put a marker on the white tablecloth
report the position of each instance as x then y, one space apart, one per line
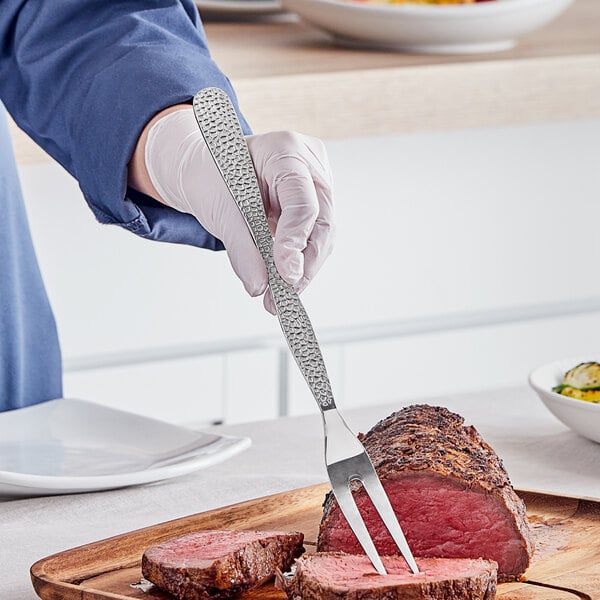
538 452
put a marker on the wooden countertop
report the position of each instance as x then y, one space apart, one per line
290 76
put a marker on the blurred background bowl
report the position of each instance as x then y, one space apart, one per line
426 28
580 416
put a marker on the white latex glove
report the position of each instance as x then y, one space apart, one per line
295 182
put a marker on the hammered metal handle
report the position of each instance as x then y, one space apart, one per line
223 135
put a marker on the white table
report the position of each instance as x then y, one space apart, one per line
538 452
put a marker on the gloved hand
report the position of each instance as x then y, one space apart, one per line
295 182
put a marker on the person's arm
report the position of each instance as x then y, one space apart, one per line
172 163
138 176
83 78
95 83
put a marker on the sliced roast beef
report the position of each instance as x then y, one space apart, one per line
219 564
448 488
335 575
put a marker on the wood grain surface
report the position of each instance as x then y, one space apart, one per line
290 76
566 563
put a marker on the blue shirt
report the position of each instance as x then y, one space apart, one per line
82 78
30 362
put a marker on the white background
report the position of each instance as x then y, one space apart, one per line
429 224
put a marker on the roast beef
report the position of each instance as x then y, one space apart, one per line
335 575
219 564
448 488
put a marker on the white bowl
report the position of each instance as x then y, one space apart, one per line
427 28
582 417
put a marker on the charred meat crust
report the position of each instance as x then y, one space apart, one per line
247 564
479 584
433 440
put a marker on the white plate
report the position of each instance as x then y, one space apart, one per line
65 446
436 29
580 416
238 7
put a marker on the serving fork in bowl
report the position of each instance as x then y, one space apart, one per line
345 456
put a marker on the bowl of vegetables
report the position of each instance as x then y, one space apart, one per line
570 389
428 26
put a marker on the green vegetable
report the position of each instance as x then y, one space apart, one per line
581 382
585 376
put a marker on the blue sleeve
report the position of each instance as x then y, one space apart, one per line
83 77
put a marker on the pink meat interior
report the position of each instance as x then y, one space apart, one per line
356 572
198 549
440 518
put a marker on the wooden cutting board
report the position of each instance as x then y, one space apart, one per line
566 564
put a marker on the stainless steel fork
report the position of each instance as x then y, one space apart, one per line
345 456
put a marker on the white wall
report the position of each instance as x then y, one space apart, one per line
428 224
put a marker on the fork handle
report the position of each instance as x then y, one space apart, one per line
223 135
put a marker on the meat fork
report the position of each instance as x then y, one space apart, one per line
345 456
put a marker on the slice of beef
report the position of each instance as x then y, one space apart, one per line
219 564
335 575
448 488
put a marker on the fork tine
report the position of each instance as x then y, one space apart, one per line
346 501
348 460
374 488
